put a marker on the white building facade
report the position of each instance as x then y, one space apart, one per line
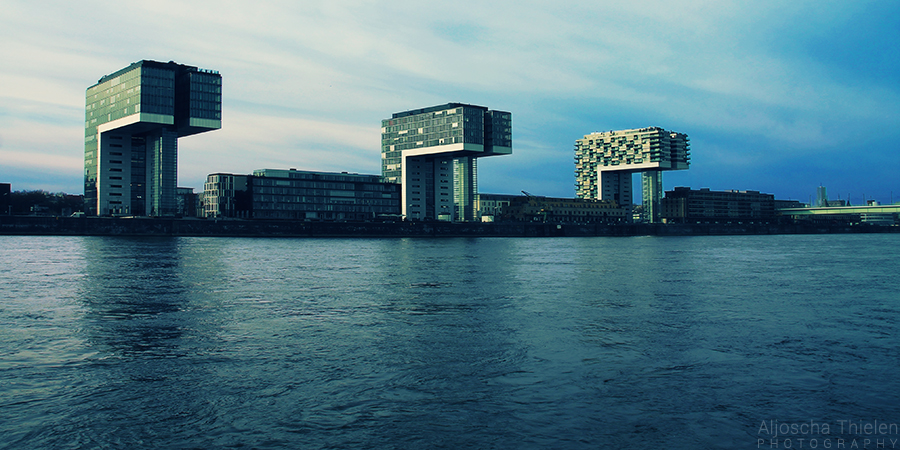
605 162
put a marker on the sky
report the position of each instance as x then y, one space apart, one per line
778 97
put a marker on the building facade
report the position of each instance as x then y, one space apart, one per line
5 199
133 119
227 195
189 203
530 208
684 205
300 195
821 197
432 152
605 162
490 206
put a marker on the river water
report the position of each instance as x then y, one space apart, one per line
641 342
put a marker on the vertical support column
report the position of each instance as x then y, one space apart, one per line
651 183
91 174
465 186
162 172
440 203
417 187
138 182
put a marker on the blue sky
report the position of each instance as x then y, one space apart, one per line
775 96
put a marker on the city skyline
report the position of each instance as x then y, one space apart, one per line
776 98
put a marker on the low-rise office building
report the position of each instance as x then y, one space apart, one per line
188 202
300 195
227 195
685 205
530 208
490 206
782 204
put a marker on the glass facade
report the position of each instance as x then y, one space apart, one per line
162 171
133 119
199 100
651 192
301 195
427 129
465 188
431 152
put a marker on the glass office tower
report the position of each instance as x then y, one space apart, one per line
133 119
431 153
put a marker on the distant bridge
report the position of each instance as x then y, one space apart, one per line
880 209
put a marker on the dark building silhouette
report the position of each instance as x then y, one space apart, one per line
5 198
684 205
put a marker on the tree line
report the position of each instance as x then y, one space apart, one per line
44 203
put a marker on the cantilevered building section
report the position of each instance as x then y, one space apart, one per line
432 153
604 163
133 119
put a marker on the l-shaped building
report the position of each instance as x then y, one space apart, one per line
432 153
132 121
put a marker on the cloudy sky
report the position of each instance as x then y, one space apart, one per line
776 96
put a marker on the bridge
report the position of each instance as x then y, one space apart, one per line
877 214
879 209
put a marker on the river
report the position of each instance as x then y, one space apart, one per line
635 342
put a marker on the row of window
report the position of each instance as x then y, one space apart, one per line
209 97
444 137
416 117
261 206
213 88
322 185
324 192
437 142
444 123
294 202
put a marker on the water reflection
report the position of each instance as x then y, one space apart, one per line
132 292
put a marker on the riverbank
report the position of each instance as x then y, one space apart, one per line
144 226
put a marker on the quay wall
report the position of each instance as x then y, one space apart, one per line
144 226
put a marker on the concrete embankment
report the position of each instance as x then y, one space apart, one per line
142 226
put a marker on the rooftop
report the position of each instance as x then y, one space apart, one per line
151 63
